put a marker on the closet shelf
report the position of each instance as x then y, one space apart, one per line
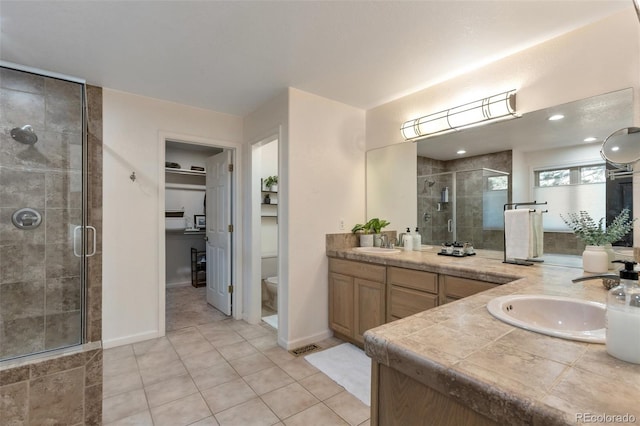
185 172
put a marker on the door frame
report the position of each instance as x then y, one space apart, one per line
236 217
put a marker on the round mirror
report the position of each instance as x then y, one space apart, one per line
622 146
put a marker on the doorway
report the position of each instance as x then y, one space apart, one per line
265 200
198 243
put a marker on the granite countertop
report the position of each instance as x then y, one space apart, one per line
510 375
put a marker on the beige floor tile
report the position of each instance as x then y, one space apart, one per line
237 350
321 385
263 343
289 400
156 359
124 365
248 331
115 384
350 408
193 348
170 390
267 380
214 376
114 354
250 413
154 375
208 421
278 355
221 337
251 364
123 405
299 368
319 414
160 344
142 418
183 411
366 423
198 362
222 397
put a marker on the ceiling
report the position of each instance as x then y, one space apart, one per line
232 56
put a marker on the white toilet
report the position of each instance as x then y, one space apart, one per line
271 285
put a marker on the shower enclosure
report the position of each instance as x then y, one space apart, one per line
463 206
43 232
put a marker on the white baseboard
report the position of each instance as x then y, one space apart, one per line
127 340
292 344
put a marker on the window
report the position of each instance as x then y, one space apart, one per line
593 173
497 183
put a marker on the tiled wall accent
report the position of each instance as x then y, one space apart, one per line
563 243
349 240
65 390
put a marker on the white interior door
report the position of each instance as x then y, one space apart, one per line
218 221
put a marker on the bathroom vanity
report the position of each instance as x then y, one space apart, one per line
454 363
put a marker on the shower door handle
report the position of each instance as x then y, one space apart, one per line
93 243
75 241
449 222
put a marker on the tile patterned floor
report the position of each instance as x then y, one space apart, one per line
213 370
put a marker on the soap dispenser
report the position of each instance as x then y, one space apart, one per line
417 241
623 316
407 240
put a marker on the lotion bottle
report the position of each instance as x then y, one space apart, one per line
407 240
417 241
623 316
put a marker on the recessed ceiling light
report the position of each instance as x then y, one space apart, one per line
556 117
590 139
461 151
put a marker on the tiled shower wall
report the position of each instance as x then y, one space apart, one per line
469 197
38 269
40 288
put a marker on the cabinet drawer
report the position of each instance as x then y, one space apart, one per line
358 269
417 280
405 302
458 288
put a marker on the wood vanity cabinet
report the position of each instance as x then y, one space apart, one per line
454 288
410 292
357 298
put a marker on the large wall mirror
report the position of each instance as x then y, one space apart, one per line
452 196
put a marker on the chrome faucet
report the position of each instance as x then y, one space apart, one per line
607 276
609 280
384 240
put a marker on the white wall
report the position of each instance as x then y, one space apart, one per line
326 184
131 239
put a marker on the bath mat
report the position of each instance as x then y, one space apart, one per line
272 320
348 366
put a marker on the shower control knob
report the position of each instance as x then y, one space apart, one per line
26 218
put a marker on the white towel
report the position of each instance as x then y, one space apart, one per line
517 233
537 232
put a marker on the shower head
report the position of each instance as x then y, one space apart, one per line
24 134
430 182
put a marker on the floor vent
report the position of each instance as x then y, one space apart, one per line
303 350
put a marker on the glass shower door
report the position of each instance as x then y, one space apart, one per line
41 213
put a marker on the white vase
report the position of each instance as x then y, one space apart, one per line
595 260
366 240
377 240
612 255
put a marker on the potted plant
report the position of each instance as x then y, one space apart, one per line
596 236
271 183
368 230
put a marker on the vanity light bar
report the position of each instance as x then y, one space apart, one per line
496 107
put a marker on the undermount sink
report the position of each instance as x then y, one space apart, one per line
556 316
377 250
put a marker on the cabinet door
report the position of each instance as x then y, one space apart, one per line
369 306
341 313
457 288
404 302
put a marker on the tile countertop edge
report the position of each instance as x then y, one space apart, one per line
504 407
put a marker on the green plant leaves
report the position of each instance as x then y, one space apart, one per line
594 233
